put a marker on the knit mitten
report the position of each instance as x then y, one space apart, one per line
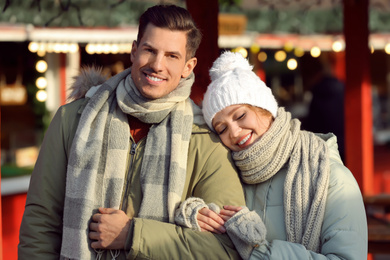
186 214
246 230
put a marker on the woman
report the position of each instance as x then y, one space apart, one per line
303 203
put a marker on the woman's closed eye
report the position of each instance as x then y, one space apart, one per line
220 130
241 116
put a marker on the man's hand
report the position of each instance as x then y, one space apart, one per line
110 228
208 220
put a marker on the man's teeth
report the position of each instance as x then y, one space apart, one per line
244 140
154 78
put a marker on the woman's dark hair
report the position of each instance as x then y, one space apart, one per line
174 18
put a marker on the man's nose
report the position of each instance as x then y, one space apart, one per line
157 63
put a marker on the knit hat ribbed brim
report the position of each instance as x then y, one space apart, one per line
233 82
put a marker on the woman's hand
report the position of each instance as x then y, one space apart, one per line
208 220
228 211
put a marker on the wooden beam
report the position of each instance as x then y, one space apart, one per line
358 99
1 218
205 15
63 81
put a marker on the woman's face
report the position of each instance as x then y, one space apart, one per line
239 126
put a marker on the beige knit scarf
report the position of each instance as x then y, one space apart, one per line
306 184
97 160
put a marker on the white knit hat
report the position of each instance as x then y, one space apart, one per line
233 82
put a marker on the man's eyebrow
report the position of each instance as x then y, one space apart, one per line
145 44
177 53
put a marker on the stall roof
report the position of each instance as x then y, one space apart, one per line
127 34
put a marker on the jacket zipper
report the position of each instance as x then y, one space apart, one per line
133 147
132 153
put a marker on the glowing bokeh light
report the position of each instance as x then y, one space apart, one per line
292 64
41 96
41 66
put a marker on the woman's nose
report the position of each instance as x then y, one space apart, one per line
235 130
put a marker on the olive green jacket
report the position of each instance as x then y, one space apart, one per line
210 175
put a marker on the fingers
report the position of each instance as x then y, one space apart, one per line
228 211
107 210
96 217
208 220
232 208
211 214
110 228
94 226
226 214
210 225
96 245
94 235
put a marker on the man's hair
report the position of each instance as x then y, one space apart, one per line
174 18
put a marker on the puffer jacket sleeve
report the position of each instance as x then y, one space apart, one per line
41 227
216 181
344 229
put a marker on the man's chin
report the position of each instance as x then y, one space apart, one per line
151 95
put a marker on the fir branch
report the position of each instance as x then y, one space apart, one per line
116 4
65 8
7 3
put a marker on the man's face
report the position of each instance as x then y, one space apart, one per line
159 61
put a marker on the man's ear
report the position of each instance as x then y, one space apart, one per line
133 50
189 67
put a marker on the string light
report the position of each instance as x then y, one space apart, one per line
387 48
292 64
106 48
41 66
337 46
241 50
255 48
280 56
41 96
41 82
42 48
90 48
299 52
33 47
41 53
262 56
114 48
50 47
73 48
288 46
315 52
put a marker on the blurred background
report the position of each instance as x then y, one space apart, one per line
326 61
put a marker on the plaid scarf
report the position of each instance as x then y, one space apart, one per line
97 160
306 185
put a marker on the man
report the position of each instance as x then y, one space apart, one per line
122 187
